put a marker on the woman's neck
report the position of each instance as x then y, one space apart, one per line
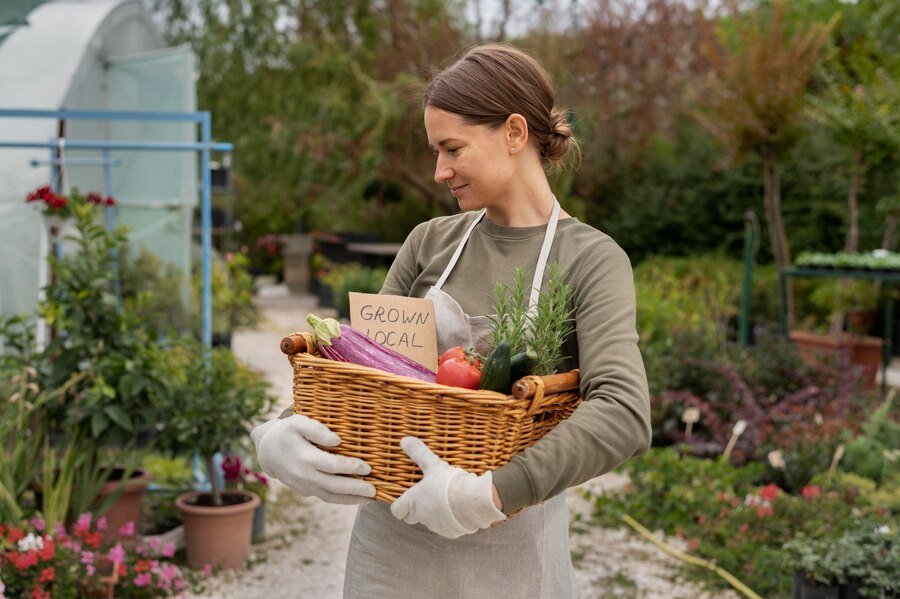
524 207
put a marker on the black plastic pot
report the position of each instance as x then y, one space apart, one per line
803 588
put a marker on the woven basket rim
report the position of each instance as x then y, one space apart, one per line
440 392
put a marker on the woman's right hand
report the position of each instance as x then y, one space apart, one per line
285 450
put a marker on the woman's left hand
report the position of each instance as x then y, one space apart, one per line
448 500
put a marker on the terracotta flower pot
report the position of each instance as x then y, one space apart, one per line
861 350
217 535
127 508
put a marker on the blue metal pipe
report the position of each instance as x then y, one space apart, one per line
206 217
103 115
78 162
75 144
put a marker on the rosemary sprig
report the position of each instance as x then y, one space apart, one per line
551 324
545 331
510 307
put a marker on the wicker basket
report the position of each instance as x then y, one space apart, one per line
371 410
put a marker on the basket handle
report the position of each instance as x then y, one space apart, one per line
535 387
296 343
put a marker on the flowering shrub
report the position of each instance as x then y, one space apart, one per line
238 476
67 563
723 516
59 205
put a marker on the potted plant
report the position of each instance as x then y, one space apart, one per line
111 373
239 476
219 399
863 562
840 299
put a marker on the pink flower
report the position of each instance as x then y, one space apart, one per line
37 524
60 530
168 550
91 570
101 523
207 570
87 557
127 529
143 579
117 553
769 492
83 524
811 491
154 545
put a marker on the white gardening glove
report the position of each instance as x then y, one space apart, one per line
448 500
284 447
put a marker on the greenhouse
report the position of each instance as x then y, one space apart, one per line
106 55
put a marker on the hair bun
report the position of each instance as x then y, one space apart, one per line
560 141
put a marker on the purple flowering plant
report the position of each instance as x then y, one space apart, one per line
239 476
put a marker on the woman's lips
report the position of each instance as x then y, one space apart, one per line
455 190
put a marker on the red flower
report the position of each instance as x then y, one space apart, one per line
92 539
95 198
693 544
26 560
811 491
769 492
142 565
39 593
764 510
110 201
47 574
46 554
745 527
15 535
231 468
123 570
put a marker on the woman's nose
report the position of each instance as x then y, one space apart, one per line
442 172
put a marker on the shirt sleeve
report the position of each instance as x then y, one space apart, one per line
404 269
612 424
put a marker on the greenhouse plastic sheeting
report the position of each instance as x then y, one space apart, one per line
156 191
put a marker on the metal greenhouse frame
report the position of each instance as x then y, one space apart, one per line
205 146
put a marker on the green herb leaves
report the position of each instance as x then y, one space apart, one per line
545 330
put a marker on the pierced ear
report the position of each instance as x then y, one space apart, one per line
516 131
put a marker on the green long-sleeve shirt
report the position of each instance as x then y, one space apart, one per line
613 422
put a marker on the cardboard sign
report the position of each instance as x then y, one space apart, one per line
404 324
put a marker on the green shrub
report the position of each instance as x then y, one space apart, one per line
344 278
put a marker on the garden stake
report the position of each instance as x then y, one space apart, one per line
729 577
739 427
690 416
838 454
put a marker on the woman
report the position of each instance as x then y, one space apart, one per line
493 124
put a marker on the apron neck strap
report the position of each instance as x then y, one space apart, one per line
542 258
459 249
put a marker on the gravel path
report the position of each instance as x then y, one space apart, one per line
306 546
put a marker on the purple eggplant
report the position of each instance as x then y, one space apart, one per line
343 343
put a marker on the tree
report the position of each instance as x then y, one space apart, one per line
754 96
859 111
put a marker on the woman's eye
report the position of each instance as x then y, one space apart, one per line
452 151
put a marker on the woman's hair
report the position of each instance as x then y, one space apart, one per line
491 82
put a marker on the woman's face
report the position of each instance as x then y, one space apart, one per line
473 161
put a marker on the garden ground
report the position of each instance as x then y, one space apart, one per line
307 539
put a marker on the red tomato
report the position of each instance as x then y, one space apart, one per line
458 373
457 353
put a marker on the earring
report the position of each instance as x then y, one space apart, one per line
513 149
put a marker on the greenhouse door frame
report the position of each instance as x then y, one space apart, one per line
205 146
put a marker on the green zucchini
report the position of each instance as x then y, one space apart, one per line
522 364
496 373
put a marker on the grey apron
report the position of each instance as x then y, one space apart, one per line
525 556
